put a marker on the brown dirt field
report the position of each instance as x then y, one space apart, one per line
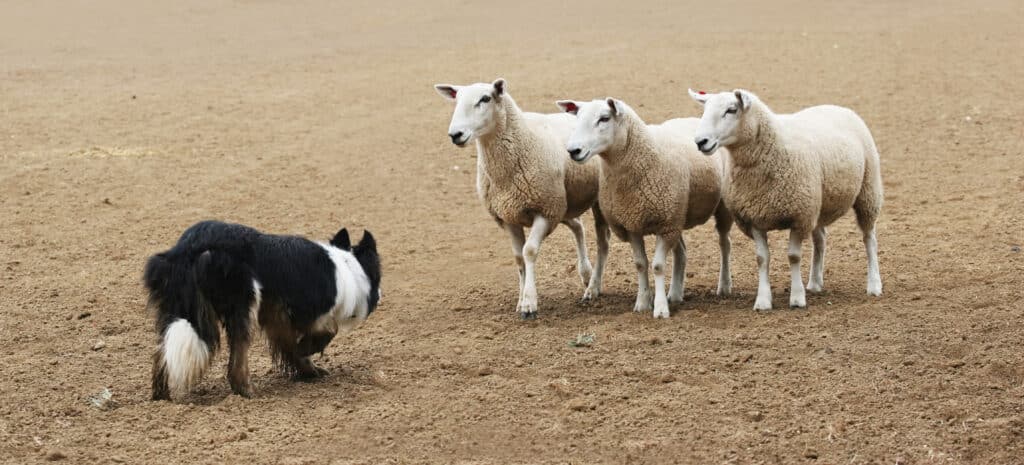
121 123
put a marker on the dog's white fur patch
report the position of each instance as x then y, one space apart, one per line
353 287
185 356
254 309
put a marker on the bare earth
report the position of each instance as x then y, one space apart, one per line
123 122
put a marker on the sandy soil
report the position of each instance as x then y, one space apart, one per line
123 123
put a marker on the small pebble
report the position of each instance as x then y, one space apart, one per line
99 345
811 454
55 455
485 371
578 405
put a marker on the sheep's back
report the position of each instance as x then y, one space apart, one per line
836 140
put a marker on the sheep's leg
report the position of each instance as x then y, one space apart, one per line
643 293
601 229
797 296
661 247
582 261
723 223
874 278
518 240
816 280
764 288
528 299
678 285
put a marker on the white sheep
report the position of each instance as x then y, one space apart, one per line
524 179
800 172
653 181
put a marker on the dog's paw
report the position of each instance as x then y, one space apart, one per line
243 391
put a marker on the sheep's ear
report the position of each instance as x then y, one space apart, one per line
447 91
499 87
341 240
699 95
614 106
743 97
568 106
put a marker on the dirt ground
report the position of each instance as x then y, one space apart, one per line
122 122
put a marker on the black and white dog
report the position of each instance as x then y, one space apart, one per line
218 274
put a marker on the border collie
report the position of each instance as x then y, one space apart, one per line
218 274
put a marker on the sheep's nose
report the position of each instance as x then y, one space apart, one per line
701 143
456 137
574 152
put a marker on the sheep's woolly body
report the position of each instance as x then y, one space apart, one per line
657 182
523 171
802 171
799 172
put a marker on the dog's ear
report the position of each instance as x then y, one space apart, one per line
367 242
341 240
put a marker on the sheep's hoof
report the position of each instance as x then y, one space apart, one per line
528 316
815 288
675 299
589 295
724 290
644 303
763 305
661 313
798 303
875 289
585 273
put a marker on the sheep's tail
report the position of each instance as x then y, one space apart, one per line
186 322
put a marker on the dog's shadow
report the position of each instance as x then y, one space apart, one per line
343 379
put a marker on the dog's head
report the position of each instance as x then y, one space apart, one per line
366 254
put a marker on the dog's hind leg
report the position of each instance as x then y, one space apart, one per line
160 389
238 323
239 328
238 363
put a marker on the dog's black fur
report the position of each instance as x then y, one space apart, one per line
208 277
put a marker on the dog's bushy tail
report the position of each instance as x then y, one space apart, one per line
189 297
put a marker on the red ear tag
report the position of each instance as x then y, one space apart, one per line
701 92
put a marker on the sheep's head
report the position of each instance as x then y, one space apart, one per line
598 127
723 118
476 108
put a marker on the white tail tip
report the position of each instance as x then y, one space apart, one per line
185 356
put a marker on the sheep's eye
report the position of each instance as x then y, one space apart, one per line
730 111
603 119
484 99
